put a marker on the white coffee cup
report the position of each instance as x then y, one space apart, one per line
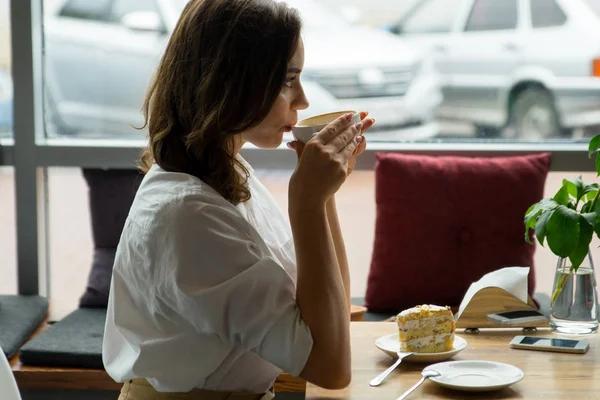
308 127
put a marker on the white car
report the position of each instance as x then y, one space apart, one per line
525 68
100 57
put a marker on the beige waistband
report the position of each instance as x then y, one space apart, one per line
138 389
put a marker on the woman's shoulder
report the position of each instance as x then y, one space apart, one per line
167 198
177 186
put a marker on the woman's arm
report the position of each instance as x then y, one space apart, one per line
321 298
340 247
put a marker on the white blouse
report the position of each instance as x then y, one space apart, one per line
203 292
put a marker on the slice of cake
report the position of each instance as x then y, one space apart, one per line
426 329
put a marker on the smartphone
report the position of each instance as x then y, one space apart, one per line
517 317
579 346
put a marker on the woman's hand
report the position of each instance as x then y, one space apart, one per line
298 146
325 161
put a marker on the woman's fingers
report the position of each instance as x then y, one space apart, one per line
367 124
362 146
334 129
345 138
297 146
351 147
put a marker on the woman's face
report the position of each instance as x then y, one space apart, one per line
284 113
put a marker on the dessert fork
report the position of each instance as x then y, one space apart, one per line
424 375
379 378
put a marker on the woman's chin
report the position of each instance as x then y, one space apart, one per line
272 143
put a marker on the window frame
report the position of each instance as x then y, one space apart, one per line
31 153
537 28
469 13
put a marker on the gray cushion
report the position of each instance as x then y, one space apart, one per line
19 318
75 341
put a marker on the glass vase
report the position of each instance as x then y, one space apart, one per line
574 307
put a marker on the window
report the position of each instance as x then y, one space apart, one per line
431 16
121 8
98 74
6 91
493 15
8 257
96 10
546 13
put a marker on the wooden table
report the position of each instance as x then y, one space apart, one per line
548 376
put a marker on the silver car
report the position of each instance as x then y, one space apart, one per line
522 68
100 57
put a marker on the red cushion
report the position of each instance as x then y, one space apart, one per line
444 222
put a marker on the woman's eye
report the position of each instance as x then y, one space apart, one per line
289 82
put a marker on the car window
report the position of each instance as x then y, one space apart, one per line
96 10
493 15
546 13
121 8
431 16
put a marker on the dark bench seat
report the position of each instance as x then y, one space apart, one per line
19 318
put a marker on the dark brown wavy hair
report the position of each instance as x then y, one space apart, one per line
220 74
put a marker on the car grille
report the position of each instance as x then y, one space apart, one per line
368 82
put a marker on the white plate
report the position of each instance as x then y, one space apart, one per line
476 376
390 345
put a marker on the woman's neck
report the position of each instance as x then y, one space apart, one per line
238 143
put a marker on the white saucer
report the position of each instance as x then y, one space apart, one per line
475 376
390 345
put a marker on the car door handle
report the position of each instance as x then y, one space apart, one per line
510 46
440 48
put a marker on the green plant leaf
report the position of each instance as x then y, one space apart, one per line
586 207
590 188
590 195
540 226
562 231
590 218
594 145
574 187
562 196
534 211
586 232
597 166
597 224
596 208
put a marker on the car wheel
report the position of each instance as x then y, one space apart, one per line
534 116
54 124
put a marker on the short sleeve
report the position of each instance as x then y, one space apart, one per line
222 279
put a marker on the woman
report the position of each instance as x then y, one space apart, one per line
212 292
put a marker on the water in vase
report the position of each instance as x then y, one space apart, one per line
575 310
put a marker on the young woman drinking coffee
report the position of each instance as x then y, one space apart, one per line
213 293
